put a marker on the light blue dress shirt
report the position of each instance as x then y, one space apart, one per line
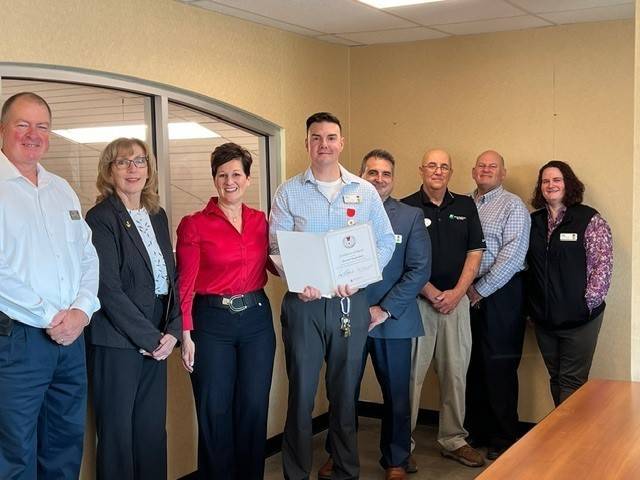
506 223
300 206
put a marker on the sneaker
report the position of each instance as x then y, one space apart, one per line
412 466
326 470
465 455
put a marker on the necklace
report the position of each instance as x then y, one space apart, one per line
233 217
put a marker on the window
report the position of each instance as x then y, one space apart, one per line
80 114
181 128
189 159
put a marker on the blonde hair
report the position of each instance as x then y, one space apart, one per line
124 146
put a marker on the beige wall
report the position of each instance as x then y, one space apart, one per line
635 264
534 95
275 75
559 92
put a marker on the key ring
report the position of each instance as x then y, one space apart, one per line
345 306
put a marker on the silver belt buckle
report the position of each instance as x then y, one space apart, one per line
228 302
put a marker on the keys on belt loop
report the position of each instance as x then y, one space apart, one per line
229 303
345 321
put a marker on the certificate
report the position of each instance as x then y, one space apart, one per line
325 260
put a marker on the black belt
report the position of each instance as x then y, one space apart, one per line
233 303
6 324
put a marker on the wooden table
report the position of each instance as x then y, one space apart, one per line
594 434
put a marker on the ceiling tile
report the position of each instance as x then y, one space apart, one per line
327 16
455 11
495 25
394 36
234 12
616 12
336 39
540 6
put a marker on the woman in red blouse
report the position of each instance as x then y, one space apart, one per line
228 341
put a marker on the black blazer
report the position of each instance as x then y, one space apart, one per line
127 287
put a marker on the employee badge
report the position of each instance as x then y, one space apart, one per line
352 198
345 321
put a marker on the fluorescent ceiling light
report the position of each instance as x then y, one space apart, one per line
189 130
395 3
177 131
103 134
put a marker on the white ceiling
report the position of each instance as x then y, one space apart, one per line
352 23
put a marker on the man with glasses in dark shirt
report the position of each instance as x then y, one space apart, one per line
457 244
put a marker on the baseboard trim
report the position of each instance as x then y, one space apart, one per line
274 444
365 409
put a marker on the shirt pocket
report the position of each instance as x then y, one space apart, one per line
73 228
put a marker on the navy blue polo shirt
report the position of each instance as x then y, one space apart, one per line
454 228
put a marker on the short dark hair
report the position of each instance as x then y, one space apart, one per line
323 117
28 95
230 151
378 153
573 187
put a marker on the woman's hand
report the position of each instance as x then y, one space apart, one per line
188 351
167 342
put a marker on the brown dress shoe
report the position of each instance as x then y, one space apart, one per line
326 470
412 466
465 455
395 473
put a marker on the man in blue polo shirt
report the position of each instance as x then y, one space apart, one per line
457 244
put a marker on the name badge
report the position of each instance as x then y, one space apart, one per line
74 214
398 238
568 237
352 198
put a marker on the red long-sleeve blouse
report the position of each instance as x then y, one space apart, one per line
213 258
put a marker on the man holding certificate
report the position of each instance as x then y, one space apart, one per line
326 197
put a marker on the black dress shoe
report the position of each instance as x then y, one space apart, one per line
495 452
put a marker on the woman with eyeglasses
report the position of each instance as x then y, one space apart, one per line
228 341
139 321
570 260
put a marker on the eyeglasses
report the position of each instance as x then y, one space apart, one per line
432 167
122 163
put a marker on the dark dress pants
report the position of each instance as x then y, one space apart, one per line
497 329
311 335
129 394
391 359
568 354
231 383
43 396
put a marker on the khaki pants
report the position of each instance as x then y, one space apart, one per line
447 340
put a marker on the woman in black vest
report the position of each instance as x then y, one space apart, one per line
570 260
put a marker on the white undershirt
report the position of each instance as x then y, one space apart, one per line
330 189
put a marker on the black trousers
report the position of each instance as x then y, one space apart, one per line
231 381
497 329
311 335
568 355
130 403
